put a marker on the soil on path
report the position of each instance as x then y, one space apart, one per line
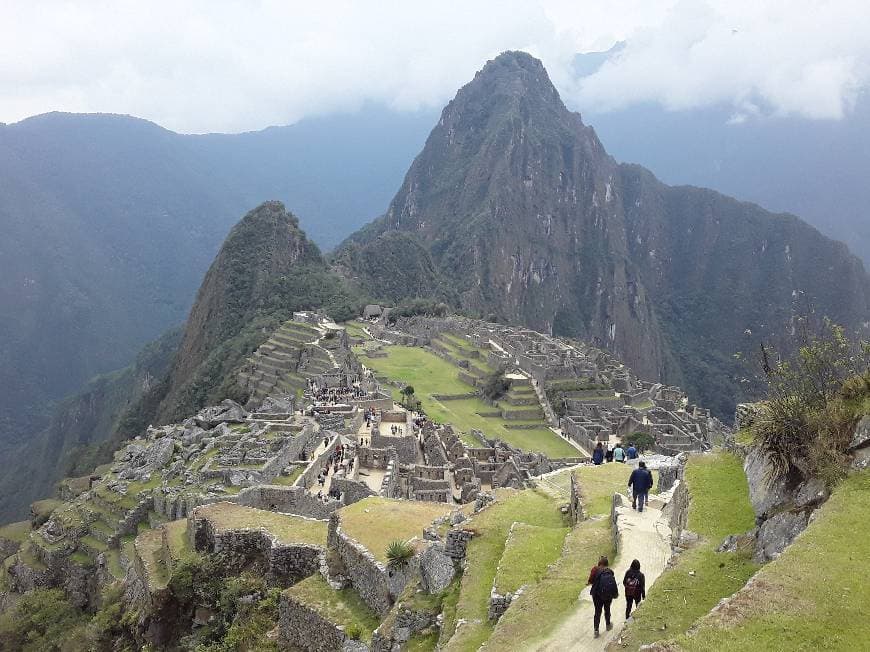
644 536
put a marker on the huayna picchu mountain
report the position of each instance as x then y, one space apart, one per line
515 205
266 270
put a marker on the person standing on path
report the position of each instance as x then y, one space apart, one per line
640 481
604 591
631 452
619 453
635 587
598 454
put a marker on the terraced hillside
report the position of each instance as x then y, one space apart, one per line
447 380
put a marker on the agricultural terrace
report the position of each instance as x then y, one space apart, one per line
432 375
285 527
375 522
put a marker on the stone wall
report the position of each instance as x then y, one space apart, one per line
288 500
302 628
351 491
375 458
406 446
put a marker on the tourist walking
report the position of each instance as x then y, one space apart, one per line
635 587
598 454
631 452
640 481
604 591
619 453
608 456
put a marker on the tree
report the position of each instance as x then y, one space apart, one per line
408 396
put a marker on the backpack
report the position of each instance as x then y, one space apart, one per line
632 587
604 587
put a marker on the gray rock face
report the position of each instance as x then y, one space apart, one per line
436 569
227 412
158 454
860 444
276 405
783 506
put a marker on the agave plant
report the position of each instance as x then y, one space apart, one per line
399 553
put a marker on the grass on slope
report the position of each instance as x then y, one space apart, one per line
484 552
17 532
814 596
429 375
597 485
375 522
285 527
719 506
528 552
544 605
343 607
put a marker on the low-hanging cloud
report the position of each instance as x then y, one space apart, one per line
237 65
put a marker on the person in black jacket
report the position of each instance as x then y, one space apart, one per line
640 481
635 587
604 590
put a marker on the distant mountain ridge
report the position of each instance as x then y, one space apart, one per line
521 211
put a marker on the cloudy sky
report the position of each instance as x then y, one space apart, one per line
220 65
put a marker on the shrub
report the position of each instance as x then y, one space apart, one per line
353 632
642 441
813 394
495 386
399 553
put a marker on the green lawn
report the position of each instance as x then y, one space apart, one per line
484 552
814 596
355 329
343 607
287 528
719 506
544 605
288 480
598 484
375 522
429 375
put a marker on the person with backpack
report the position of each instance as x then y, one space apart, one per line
632 452
608 455
598 454
619 453
604 591
635 587
640 481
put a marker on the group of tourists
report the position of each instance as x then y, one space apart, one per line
334 462
600 454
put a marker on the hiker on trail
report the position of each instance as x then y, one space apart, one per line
632 452
619 453
640 481
608 456
635 587
604 591
598 454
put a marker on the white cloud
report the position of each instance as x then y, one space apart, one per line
235 65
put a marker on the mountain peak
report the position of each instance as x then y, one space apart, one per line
513 73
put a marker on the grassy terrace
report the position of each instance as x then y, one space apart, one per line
719 506
528 552
375 522
287 528
544 605
343 607
355 329
484 552
430 374
149 546
288 480
814 596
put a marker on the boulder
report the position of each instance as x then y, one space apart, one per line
778 531
436 569
227 412
157 455
859 447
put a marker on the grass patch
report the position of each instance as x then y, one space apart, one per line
375 522
430 374
149 547
814 596
17 532
43 508
484 552
537 612
719 506
288 480
113 561
176 538
528 552
355 329
343 607
287 528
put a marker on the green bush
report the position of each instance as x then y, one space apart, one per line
399 553
642 441
495 386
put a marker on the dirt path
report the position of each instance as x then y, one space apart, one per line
643 536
